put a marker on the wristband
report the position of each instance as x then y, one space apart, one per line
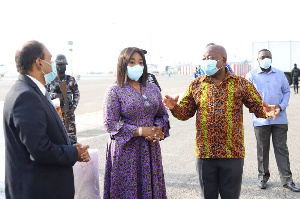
140 131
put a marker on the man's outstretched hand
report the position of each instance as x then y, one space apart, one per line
170 102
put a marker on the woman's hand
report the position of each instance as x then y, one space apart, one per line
156 134
151 134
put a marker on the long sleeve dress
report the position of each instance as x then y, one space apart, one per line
133 164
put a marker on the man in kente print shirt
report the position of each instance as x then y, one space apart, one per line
217 98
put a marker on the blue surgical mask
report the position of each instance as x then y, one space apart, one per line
135 72
265 63
49 77
210 67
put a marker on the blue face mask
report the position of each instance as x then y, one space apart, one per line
135 72
210 67
49 77
265 63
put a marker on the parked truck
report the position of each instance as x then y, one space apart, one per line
284 55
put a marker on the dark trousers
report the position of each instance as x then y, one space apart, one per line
222 176
279 138
295 82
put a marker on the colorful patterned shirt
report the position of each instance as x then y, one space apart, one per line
219 114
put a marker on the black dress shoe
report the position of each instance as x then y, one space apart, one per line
292 187
262 184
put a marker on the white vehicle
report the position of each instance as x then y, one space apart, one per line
284 55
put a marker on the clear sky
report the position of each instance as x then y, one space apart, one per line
171 31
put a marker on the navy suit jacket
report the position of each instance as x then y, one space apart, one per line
38 160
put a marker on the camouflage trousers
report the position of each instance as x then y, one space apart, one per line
72 127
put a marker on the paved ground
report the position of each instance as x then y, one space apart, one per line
178 149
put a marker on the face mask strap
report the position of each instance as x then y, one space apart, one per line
43 72
46 63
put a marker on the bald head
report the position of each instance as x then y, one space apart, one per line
217 49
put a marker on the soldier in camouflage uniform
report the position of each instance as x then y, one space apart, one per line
151 78
73 94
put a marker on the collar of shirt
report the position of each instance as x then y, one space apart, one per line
40 86
261 71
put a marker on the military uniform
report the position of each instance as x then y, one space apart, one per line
295 75
73 96
152 79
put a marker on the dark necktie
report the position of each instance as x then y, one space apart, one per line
58 118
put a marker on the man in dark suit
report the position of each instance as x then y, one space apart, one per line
39 155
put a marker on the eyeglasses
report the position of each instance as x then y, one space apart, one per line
146 101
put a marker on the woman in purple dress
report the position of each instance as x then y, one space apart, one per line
136 120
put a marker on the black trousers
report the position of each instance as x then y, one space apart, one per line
295 82
222 176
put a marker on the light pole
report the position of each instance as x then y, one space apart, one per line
70 43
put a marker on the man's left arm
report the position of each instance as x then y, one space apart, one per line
252 99
285 89
76 94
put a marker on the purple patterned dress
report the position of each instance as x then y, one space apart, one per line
133 164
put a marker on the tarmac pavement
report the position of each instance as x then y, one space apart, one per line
179 154
178 150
